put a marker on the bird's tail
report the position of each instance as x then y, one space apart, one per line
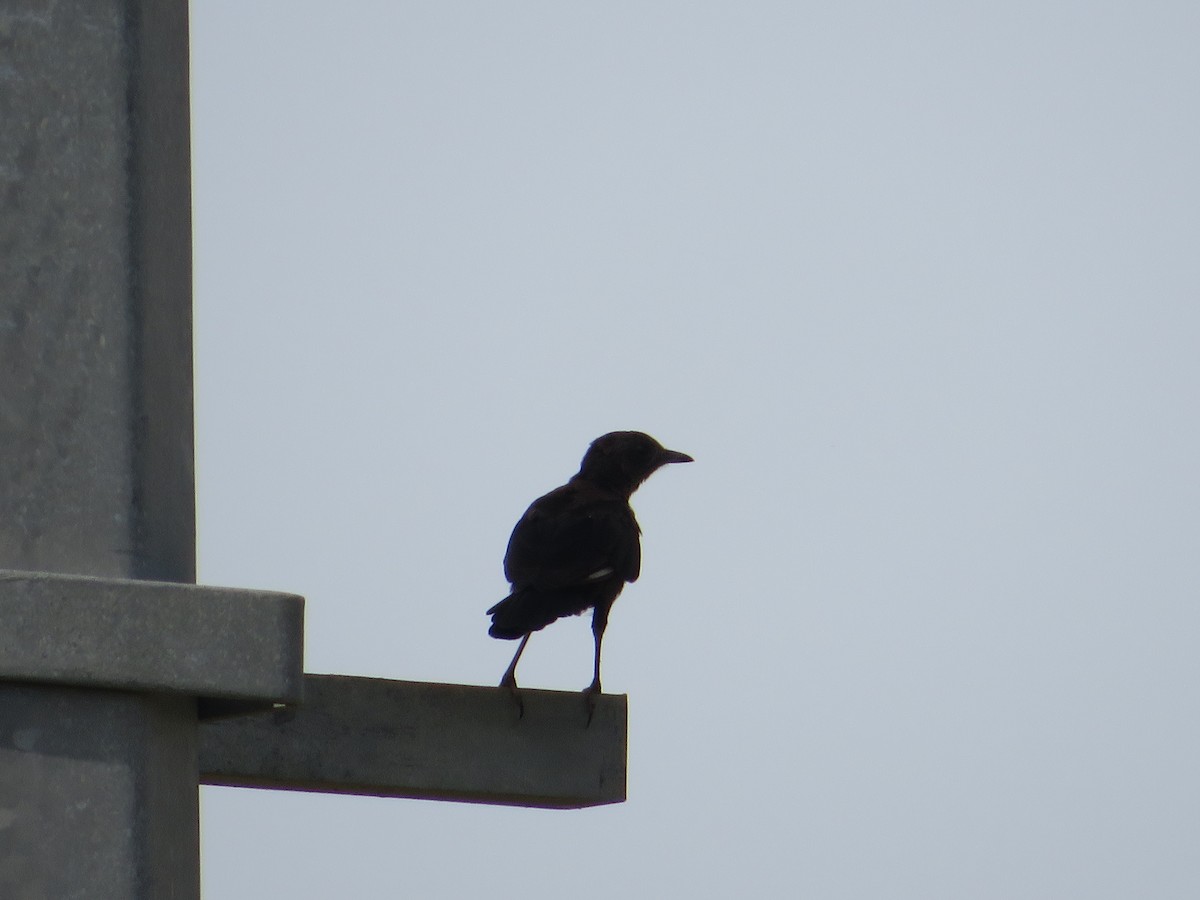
527 609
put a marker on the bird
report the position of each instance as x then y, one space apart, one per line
577 547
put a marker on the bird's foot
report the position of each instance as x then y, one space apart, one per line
509 681
591 696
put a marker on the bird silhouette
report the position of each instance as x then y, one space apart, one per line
577 547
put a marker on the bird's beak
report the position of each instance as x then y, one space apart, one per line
674 456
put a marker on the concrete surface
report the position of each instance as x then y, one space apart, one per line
94 800
95 289
235 650
98 790
429 741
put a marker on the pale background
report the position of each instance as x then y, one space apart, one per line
918 285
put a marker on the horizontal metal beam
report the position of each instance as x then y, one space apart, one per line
427 741
234 650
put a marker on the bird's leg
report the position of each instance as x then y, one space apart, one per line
592 693
510 677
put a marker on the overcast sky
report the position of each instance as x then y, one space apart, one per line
917 284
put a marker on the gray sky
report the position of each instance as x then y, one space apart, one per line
918 285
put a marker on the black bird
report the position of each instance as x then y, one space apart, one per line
577 546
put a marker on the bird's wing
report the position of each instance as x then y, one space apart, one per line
574 535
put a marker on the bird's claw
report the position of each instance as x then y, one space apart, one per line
511 684
591 697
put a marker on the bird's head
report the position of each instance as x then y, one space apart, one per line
622 460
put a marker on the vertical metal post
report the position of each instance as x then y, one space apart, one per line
98 789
